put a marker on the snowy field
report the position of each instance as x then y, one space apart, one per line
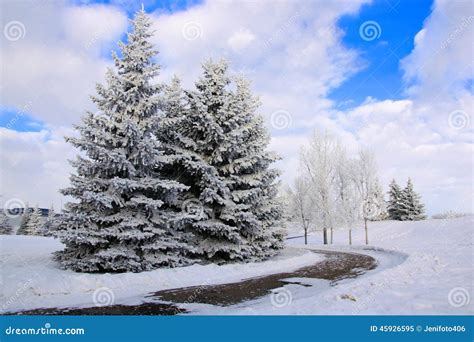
439 260
424 267
31 279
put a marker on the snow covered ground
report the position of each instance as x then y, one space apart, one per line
31 279
424 267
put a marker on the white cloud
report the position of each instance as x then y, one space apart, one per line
441 61
54 68
295 57
417 137
34 166
240 39
294 51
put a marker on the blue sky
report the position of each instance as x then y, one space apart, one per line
380 76
150 5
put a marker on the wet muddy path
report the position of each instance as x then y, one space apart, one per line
336 266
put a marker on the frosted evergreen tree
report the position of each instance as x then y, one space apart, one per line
5 227
124 213
246 168
35 223
221 145
51 213
25 216
48 225
411 208
394 201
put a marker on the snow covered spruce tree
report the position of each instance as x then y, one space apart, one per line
35 223
5 227
394 200
221 143
24 220
124 210
48 226
411 208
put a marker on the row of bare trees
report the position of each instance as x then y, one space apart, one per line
334 190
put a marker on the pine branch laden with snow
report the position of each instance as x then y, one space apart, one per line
123 216
221 147
5 226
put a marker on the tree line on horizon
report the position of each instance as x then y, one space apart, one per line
333 190
32 222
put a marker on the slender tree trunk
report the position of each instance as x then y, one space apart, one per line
325 236
331 235
350 236
366 232
305 235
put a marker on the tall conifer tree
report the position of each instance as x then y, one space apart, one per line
411 208
221 144
394 201
123 216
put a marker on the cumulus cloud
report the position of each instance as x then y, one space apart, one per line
49 73
441 61
55 67
293 53
34 166
428 136
240 39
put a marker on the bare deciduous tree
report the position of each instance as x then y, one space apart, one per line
365 180
348 196
319 169
300 205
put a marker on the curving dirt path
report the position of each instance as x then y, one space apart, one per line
335 267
